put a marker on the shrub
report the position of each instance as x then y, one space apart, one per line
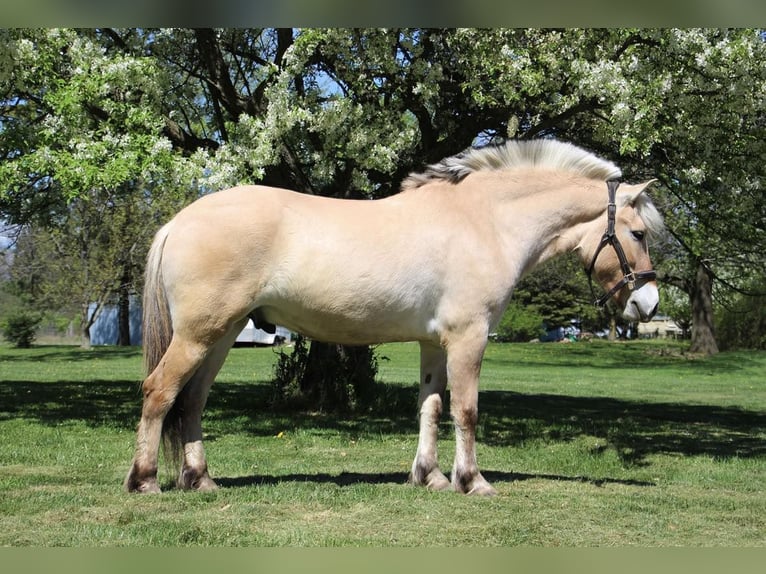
20 328
520 324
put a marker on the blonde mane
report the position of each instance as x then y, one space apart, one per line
542 153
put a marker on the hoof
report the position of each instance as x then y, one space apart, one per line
485 489
437 481
432 480
191 479
147 485
205 484
474 485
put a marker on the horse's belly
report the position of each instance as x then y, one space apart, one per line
352 327
352 300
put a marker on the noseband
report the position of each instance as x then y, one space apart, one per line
629 277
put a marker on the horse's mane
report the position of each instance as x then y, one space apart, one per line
544 153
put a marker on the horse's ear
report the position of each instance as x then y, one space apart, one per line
629 194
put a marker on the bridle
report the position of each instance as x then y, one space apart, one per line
629 277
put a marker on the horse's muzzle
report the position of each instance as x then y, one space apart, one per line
642 304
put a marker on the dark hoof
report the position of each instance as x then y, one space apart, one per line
192 479
473 485
145 485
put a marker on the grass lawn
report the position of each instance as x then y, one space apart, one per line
589 444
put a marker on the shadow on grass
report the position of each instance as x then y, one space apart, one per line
98 403
70 353
352 478
634 429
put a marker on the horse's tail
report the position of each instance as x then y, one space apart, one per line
157 326
157 333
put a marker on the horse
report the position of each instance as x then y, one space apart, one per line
435 263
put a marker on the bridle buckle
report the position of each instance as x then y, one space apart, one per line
630 280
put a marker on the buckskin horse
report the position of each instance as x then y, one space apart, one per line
436 263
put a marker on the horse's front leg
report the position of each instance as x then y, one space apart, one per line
463 366
433 381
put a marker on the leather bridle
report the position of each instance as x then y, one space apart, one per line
629 277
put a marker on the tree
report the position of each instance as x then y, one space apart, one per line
87 260
81 136
76 119
560 292
741 321
348 113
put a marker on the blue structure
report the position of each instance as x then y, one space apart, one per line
106 328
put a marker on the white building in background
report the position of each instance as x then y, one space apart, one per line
661 326
106 328
251 335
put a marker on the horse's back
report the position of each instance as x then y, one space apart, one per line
236 208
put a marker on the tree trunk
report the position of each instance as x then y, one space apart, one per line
123 311
701 298
316 373
339 377
85 324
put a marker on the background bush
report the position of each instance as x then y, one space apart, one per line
326 377
520 324
20 328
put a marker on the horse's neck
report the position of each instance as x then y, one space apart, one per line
550 220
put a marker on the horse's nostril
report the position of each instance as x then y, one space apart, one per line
645 317
642 315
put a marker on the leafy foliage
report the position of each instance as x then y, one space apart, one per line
20 328
742 323
520 324
553 295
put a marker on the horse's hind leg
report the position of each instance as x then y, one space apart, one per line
161 387
190 403
433 381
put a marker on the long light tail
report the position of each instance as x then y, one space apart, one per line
157 325
157 333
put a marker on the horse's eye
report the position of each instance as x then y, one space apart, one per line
638 235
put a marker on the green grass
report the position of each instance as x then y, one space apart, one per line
594 444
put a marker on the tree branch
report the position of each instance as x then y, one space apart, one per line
186 141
